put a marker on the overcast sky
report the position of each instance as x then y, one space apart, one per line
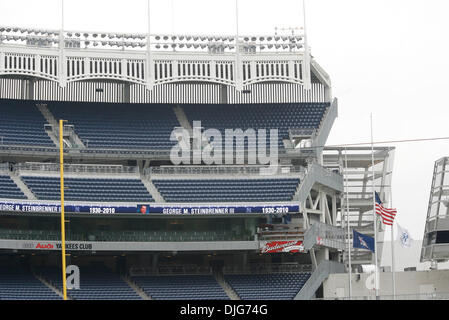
389 58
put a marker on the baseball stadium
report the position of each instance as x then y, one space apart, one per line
189 167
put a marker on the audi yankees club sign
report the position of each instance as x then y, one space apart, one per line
54 245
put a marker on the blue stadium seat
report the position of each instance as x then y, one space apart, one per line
185 287
149 126
96 283
9 190
238 190
21 123
119 126
20 284
281 116
84 189
282 286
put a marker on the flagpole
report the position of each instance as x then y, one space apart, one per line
348 229
376 273
392 251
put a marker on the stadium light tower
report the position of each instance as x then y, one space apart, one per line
238 80
307 77
62 80
61 162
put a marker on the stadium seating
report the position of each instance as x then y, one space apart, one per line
148 126
81 189
96 283
21 123
123 126
9 190
281 116
282 286
185 287
18 283
214 190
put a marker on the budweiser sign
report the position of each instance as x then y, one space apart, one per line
282 246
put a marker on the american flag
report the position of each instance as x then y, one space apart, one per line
387 215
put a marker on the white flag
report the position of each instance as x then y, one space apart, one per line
404 237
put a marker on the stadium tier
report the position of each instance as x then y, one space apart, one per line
9 190
133 126
267 286
80 189
21 123
238 190
97 283
17 283
149 126
282 116
186 287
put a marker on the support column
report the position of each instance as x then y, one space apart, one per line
334 210
154 263
2 61
126 92
223 93
31 82
23 89
323 253
244 260
149 60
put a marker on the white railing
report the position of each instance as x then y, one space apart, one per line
281 235
218 170
322 234
303 132
229 60
412 296
75 168
213 44
318 174
258 268
326 125
4 167
170 270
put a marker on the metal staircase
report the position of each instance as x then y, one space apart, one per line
226 287
317 174
182 118
22 186
320 274
51 286
324 235
136 288
152 189
53 132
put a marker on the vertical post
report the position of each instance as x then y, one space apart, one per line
306 60
347 224
149 60
237 69
376 272
2 61
392 252
61 163
173 17
62 78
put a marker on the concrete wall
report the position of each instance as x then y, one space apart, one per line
413 282
407 257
